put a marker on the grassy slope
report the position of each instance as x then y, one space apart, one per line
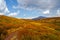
51 22
30 29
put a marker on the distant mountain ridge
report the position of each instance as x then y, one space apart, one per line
40 17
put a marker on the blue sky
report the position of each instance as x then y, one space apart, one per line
29 9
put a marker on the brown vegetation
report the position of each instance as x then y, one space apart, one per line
25 29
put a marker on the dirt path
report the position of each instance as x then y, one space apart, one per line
12 36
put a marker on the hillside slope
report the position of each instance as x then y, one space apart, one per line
55 22
24 29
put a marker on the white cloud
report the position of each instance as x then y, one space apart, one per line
30 17
58 13
6 10
37 4
2 4
44 6
14 14
3 7
55 15
46 12
27 17
20 7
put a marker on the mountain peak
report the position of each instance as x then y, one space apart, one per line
40 17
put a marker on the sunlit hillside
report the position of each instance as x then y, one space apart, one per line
25 29
55 22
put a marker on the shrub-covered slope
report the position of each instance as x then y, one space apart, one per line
25 29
